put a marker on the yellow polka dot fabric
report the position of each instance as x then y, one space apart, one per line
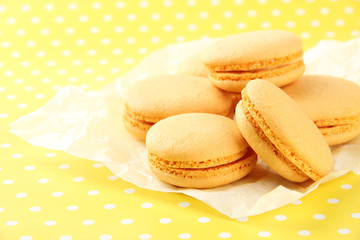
48 194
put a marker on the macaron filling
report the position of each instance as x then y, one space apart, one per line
245 161
338 125
282 150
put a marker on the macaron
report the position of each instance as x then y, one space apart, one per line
198 150
332 103
149 100
281 134
272 55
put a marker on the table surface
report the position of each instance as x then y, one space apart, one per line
47 194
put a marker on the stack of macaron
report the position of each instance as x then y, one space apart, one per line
286 118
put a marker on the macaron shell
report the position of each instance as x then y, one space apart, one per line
231 82
293 131
252 47
207 177
266 150
195 137
325 97
162 96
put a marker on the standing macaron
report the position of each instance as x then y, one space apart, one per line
198 150
152 99
281 133
274 55
332 103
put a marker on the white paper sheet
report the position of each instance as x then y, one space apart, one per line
89 125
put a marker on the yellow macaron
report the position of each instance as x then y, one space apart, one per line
274 55
154 98
281 133
332 103
198 150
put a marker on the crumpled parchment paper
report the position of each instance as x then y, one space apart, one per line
89 125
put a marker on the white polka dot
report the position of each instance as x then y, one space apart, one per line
1 209
105 41
22 105
93 192
339 22
15 54
5 44
142 50
144 236
49 7
224 235
132 17
94 30
167 3
241 25
96 5
26 237
59 19
262 1
168 28
25 8
11 223
280 217
50 223
346 186
100 78
264 234
300 11
2 8
265 24
217 26
35 209
252 13
356 215
203 15
73 6
129 190
165 220
203 219
45 31
109 206
324 11
319 216
69 31
113 177
185 236
290 24
333 200
4 115
127 221
77 62
305 35
35 72
17 155
304 233
147 205
40 53
107 18
192 27
72 208
184 204
83 18
2 89
46 80
276 12
191 3
30 43
228 14
143 28
43 180
11 20
50 154
8 181
39 96
25 64
57 194
214 2
242 219
105 237
343 231
120 5
29 88
65 237
88 222
349 10
114 70
8 73
20 32
66 53
116 51
78 179
5 145
144 4
11 96
179 15
88 71
315 23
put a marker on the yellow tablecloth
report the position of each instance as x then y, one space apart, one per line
48 194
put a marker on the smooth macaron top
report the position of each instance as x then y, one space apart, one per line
325 97
201 139
293 131
248 47
158 97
